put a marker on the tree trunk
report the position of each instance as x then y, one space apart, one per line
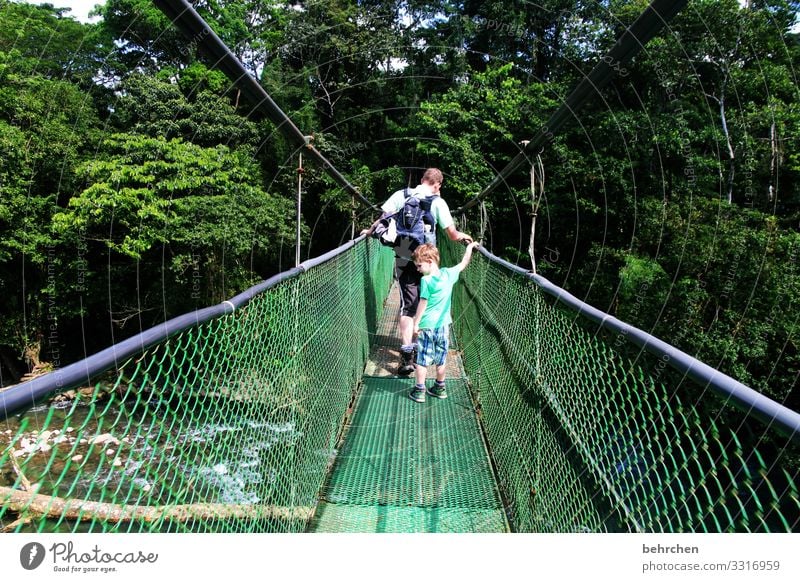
31 354
25 502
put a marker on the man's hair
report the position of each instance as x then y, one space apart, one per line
426 252
433 176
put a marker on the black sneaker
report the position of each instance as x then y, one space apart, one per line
417 394
437 391
406 363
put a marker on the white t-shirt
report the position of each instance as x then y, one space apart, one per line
439 208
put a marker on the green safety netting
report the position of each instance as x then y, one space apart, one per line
235 425
228 426
587 437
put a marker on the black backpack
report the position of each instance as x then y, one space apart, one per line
410 227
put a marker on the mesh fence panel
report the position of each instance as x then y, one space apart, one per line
227 426
231 425
586 439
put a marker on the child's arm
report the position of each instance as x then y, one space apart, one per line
467 257
423 303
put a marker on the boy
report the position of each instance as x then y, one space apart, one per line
432 320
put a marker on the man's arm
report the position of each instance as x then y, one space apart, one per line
441 212
392 205
423 303
371 229
456 235
467 257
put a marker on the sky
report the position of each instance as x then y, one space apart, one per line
80 8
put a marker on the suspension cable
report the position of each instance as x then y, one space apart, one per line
651 21
185 17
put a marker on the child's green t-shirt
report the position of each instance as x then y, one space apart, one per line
438 290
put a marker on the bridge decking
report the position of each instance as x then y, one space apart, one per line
407 466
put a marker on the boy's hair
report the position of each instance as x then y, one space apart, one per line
426 252
432 176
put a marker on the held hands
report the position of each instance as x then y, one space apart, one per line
471 246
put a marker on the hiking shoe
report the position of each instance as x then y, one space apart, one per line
406 363
417 394
437 391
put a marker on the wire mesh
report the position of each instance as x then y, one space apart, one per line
587 439
229 426
232 425
411 467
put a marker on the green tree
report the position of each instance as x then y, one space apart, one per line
46 128
171 207
160 108
471 132
47 42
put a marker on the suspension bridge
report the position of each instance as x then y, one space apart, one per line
277 410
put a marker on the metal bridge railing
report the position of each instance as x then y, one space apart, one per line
227 421
586 438
220 420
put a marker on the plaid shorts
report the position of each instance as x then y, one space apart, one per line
432 346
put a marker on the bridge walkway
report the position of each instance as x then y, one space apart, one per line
406 466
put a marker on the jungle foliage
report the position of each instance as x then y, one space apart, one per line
137 184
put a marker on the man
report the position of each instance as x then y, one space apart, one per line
408 277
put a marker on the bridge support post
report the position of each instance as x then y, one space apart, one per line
299 217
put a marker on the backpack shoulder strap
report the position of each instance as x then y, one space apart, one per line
426 204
